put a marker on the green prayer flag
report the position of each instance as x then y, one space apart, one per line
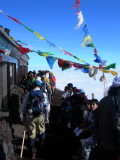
65 66
28 28
113 65
90 45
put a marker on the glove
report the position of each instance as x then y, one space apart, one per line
79 132
30 111
75 130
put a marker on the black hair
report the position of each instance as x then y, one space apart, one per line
94 101
70 85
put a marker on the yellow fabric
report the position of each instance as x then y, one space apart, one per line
35 125
47 79
52 74
81 60
112 72
39 36
86 40
44 54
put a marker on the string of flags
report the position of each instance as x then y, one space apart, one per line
64 64
85 41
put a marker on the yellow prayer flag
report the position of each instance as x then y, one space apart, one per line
86 40
112 72
38 35
12 38
81 60
44 54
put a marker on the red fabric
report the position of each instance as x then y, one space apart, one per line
54 79
77 65
24 50
1 50
0 58
67 53
60 62
77 1
15 20
95 50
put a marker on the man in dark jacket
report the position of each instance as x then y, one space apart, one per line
108 122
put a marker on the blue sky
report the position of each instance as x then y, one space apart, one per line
55 21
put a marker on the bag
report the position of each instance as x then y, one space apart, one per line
36 103
53 80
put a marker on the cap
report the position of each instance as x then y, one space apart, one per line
37 83
70 85
80 91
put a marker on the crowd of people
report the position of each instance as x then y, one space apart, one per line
47 79
39 89
95 124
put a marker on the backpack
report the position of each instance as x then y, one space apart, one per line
53 80
36 102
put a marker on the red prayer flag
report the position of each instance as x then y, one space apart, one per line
15 19
67 53
24 50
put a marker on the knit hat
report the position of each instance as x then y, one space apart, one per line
38 78
80 91
52 74
116 82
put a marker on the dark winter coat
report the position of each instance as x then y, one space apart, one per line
108 120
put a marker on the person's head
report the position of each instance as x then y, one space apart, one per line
80 92
31 74
115 87
87 104
66 88
74 89
34 71
38 78
70 86
94 104
43 74
34 74
52 74
37 83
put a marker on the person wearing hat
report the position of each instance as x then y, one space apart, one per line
77 102
35 118
87 124
108 122
52 79
80 97
70 86
87 133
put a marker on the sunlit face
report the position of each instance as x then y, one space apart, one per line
94 106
